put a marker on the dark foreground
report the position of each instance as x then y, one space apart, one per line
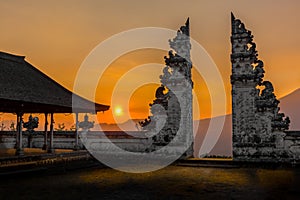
173 182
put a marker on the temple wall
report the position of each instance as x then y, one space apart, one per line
68 141
292 144
38 142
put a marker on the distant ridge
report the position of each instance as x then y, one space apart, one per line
129 125
290 105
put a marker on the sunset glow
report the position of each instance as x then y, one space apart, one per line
46 34
118 111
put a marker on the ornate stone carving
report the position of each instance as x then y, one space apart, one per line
86 124
33 122
280 123
244 55
161 97
257 123
267 99
166 109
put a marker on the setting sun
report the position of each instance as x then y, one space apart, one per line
118 111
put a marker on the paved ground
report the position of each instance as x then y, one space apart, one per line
173 182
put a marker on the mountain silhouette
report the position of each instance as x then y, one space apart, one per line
129 125
290 106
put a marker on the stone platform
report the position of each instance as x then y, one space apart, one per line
34 162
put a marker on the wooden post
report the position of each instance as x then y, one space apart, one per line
45 146
51 149
17 130
19 144
76 147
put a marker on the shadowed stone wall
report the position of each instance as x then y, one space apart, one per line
66 140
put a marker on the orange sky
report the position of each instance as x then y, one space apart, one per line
56 36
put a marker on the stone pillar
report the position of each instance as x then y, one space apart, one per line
45 146
51 149
19 144
76 147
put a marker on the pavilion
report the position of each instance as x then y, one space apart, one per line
25 89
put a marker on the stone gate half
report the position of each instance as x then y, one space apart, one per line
259 129
171 122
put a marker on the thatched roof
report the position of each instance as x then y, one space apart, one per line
25 88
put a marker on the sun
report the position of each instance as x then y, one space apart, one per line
118 111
